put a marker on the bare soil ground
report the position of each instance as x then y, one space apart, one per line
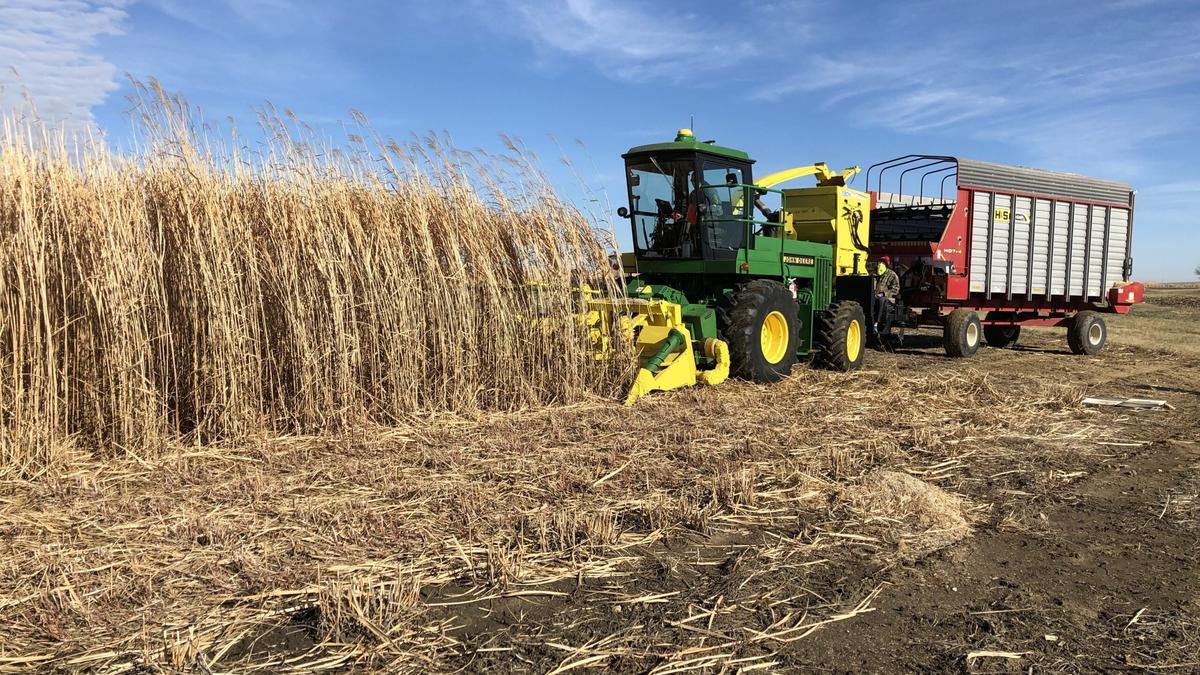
926 514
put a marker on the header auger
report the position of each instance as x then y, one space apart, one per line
668 356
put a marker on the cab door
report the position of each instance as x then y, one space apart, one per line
725 206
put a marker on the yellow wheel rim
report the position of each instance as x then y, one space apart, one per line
853 341
774 337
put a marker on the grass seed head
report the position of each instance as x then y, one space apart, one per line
198 291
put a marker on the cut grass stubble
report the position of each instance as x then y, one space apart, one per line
379 548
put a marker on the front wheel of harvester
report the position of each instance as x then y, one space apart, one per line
961 336
1087 333
762 331
841 336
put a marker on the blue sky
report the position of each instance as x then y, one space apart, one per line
1110 89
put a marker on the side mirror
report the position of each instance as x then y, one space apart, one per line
623 212
731 179
635 180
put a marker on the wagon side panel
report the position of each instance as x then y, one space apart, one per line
1019 248
1076 256
1039 258
1118 245
1044 236
981 209
1058 251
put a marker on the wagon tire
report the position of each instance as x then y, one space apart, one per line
1087 333
1001 337
962 334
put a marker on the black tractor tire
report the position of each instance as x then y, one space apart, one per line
1002 337
835 333
760 303
962 334
1087 333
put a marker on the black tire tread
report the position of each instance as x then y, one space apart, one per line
1002 337
954 337
1077 333
742 318
829 335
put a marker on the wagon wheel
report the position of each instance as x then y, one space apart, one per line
1087 333
962 333
1001 337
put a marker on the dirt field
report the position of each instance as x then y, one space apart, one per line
925 514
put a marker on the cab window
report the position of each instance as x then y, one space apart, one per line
665 210
725 206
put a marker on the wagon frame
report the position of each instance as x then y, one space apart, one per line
1026 246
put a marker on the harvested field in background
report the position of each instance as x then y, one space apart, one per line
705 529
200 291
1187 301
1167 285
1166 322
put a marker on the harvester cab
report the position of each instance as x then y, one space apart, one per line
757 288
687 199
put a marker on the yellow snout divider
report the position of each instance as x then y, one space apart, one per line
665 349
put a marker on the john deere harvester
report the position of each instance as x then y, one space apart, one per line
722 283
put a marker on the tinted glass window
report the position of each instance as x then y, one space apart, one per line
725 207
665 211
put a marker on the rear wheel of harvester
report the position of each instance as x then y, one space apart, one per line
762 329
1087 333
1001 337
840 336
962 333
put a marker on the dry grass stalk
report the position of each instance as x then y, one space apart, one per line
370 548
197 291
931 517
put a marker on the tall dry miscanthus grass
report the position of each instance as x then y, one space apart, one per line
197 292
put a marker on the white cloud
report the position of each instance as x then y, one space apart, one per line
627 40
221 17
1060 88
821 73
48 51
1102 139
927 107
1080 87
1187 189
